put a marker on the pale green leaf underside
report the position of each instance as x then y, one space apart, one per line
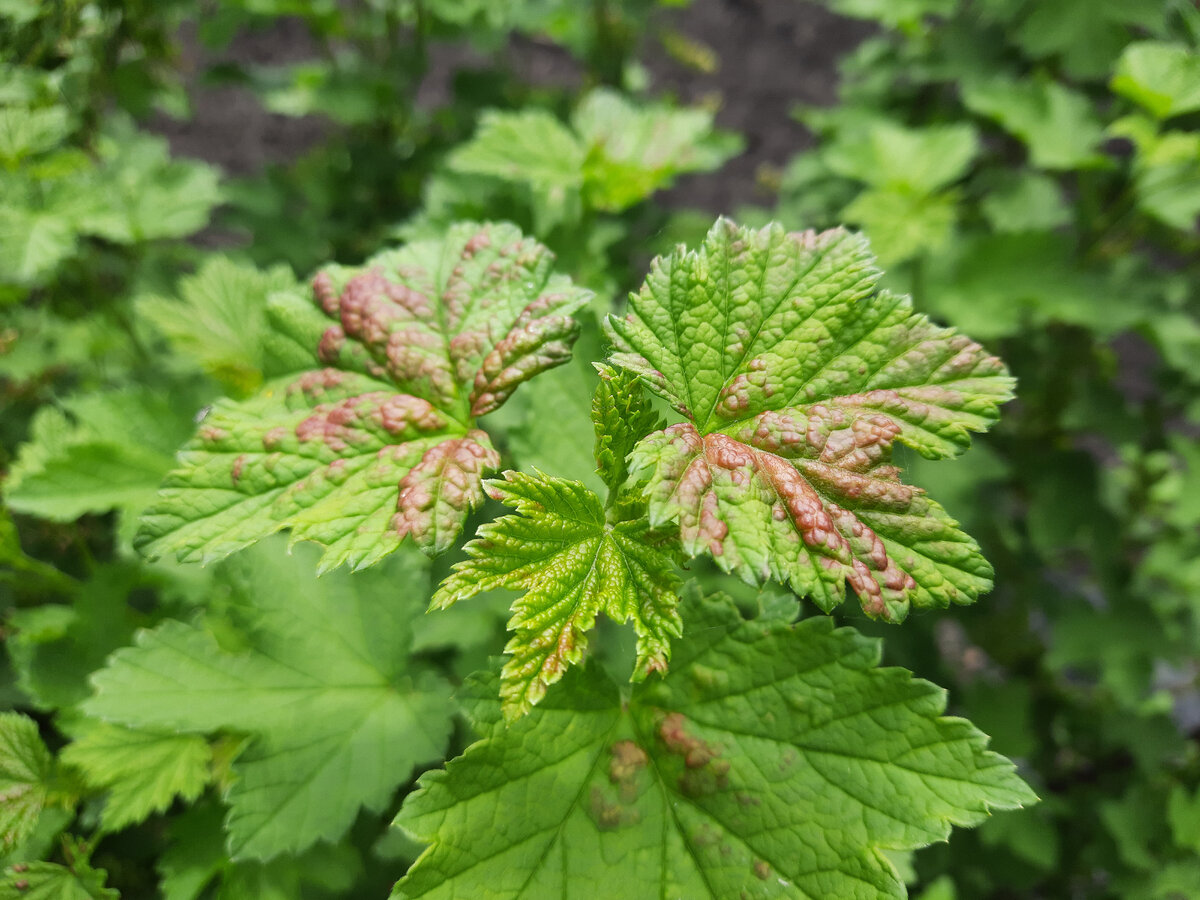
572 565
774 760
379 443
337 722
797 377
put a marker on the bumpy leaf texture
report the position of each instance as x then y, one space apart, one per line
774 760
380 441
572 564
796 376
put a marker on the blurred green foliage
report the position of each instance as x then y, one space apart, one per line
1028 169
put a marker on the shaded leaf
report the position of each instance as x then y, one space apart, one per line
796 377
774 757
26 769
1163 78
101 451
141 771
1057 124
572 565
337 718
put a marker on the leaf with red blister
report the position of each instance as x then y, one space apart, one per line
380 441
796 377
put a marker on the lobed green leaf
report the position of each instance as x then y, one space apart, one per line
26 772
796 377
571 564
380 443
774 759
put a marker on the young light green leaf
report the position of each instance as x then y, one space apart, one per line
1163 78
1026 201
337 718
26 770
633 151
1057 124
381 442
622 416
774 760
615 154
100 451
220 319
903 224
32 243
529 146
140 193
49 881
141 771
572 565
796 376
885 154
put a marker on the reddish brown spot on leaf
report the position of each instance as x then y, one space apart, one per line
438 492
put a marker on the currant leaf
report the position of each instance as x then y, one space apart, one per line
622 416
572 565
142 772
796 377
774 759
379 442
337 713
615 153
49 881
26 770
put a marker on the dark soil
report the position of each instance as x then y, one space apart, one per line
774 54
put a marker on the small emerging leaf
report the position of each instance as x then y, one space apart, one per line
572 565
380 443
796 377
622 416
